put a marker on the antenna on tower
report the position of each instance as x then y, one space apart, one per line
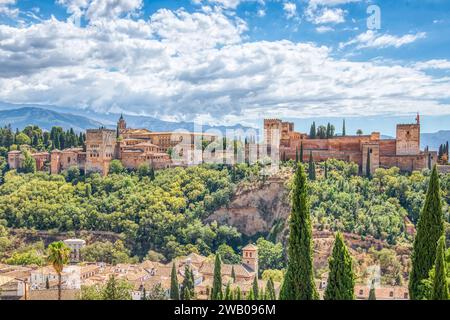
418 118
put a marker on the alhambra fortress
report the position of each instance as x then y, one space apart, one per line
134 147
402 152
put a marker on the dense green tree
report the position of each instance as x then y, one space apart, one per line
299 279
29 163
341 279
228 255
116 289
440 285
217 293
174 288
429 230
270 255
108 252
116 167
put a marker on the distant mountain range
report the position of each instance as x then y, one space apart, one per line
19 116
46 119
434 140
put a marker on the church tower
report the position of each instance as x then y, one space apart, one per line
121 125
250 257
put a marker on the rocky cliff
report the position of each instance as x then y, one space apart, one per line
258 209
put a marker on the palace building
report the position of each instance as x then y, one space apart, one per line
132 147
402 152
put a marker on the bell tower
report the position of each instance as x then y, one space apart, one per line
250 257
121 125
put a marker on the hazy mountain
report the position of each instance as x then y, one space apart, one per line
46 119
434 140
19 116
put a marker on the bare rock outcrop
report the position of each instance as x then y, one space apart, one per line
256 209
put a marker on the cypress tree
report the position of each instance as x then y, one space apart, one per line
312 131
301 152
341 279
440 285
311 168
372 295
238 294
296 154
299 279
430 228
217 293
343 128
251 295
368 173
174 290
270 290
326 170
152 174
188 284
228 293
186 293
255 288
429 161
233 274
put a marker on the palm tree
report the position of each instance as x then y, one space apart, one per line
58 256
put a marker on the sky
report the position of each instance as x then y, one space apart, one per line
229 61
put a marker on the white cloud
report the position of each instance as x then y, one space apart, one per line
437 64
330 2
290 9
6 8
324 29
261 13
183 65
328 16
95 9
373 39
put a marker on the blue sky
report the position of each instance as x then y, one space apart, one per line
228 61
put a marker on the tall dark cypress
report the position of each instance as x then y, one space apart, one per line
299 279
311 167
326 170
312 131
343 128
368 170
341 279
217 293
296 154
270 290
174 289
440 285
430 228
372 295
255 287
301 152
